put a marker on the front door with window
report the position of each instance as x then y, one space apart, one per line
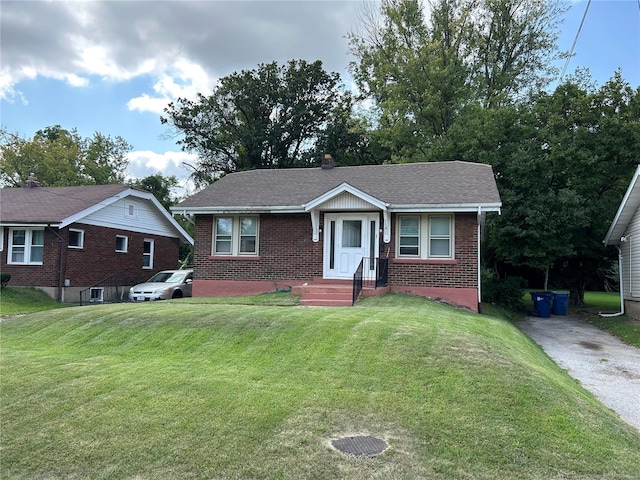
347 239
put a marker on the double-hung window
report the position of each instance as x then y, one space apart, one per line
26 246
235 235
425 236
147 253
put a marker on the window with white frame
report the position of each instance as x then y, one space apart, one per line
26 246
76 238
147 253
235 235
425 236
96 295
122 243
130 210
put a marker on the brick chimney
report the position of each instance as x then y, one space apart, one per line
328 162
32 181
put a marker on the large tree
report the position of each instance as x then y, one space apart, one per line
60 157
423 71
268 117
563 160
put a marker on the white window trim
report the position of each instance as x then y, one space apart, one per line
424 242
1 239
130 209
27 246
81 232
126 243
99 298
150 254
235 236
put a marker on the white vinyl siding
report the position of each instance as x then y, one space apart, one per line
235 235
132 214
631 258
26 246
425 236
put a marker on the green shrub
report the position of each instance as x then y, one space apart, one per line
504 292
4 279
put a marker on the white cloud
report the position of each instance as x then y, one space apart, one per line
183 80
144 163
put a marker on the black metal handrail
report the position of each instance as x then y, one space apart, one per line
372 272
357 282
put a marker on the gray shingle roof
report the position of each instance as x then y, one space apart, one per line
424 184
51 204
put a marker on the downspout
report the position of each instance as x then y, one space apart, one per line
621 312
479 265
60 264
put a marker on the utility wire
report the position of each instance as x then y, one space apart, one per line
575 40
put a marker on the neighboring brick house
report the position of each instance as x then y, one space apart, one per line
260 230
66 240
624 233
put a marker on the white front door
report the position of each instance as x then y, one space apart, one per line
348 238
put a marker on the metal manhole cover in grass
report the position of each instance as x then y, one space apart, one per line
361 446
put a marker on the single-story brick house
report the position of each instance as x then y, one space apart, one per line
89 239
624 233
260 230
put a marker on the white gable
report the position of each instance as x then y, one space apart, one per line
131 213
346 201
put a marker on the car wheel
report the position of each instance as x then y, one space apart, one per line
177 294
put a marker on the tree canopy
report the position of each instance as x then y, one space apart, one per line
268 117
60 157
423 72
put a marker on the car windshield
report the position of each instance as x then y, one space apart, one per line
167 277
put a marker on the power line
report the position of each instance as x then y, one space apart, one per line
575 40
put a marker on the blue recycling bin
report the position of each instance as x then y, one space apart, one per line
560 303
542 303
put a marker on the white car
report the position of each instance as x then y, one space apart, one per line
163 285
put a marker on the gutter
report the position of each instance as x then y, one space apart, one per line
60 264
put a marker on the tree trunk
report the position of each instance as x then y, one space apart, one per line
546 279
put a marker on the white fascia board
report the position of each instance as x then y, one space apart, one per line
29 225
248 209
342 188
615 230
124 194
453 207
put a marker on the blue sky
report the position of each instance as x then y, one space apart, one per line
111 66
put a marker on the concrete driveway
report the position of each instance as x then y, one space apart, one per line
603 364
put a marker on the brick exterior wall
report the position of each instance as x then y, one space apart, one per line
286 252
459 273
95 261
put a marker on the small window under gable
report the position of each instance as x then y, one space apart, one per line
130 209
76 238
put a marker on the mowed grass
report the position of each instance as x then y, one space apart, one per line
623 327
21 300
185 389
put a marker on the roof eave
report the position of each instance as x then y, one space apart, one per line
616 229
446 207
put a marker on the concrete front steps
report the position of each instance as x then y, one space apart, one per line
331 293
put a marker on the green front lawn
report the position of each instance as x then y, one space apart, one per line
190 389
